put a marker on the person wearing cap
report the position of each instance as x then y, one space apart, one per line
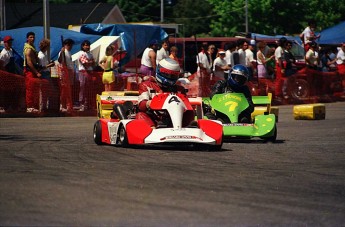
66 68
148 60
12 85
219 66
6 56
250 60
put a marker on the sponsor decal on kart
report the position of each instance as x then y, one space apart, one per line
113 127
181 137
238 124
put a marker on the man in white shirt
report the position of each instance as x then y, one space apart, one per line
341 63
148 60
250 61
6 56
163 52
242 46
309 34
229 57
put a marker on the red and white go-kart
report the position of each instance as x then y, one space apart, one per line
124 129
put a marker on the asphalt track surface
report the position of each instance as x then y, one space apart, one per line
53 174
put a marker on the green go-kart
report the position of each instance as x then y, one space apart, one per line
227 108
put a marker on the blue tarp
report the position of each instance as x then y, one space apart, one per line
19 36
276 37
134 38
334 35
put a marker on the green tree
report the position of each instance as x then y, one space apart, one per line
227 17
194 16
139 11
273 16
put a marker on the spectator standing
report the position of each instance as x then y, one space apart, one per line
211 54
308 35
204 62
6 56
12 86
250 60
290 66
280 71
230 48
107 64
311 58
341 62
86 63
46 65
66 69
242 46
148 60
163 52
220 66
33 81
262 61
173 53
270 65
313 76
290 69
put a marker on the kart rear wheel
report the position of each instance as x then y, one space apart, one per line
97 133
122 137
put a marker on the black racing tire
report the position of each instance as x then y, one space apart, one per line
300 89
99 110
215 147
272 138
97 133
122 137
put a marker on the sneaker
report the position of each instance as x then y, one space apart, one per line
32 110
2 110
77 106
82 108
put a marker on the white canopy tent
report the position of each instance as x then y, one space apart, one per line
98 48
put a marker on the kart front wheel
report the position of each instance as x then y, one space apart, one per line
122 137
215 147
272 138
97 133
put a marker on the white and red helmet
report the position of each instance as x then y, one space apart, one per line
167 72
